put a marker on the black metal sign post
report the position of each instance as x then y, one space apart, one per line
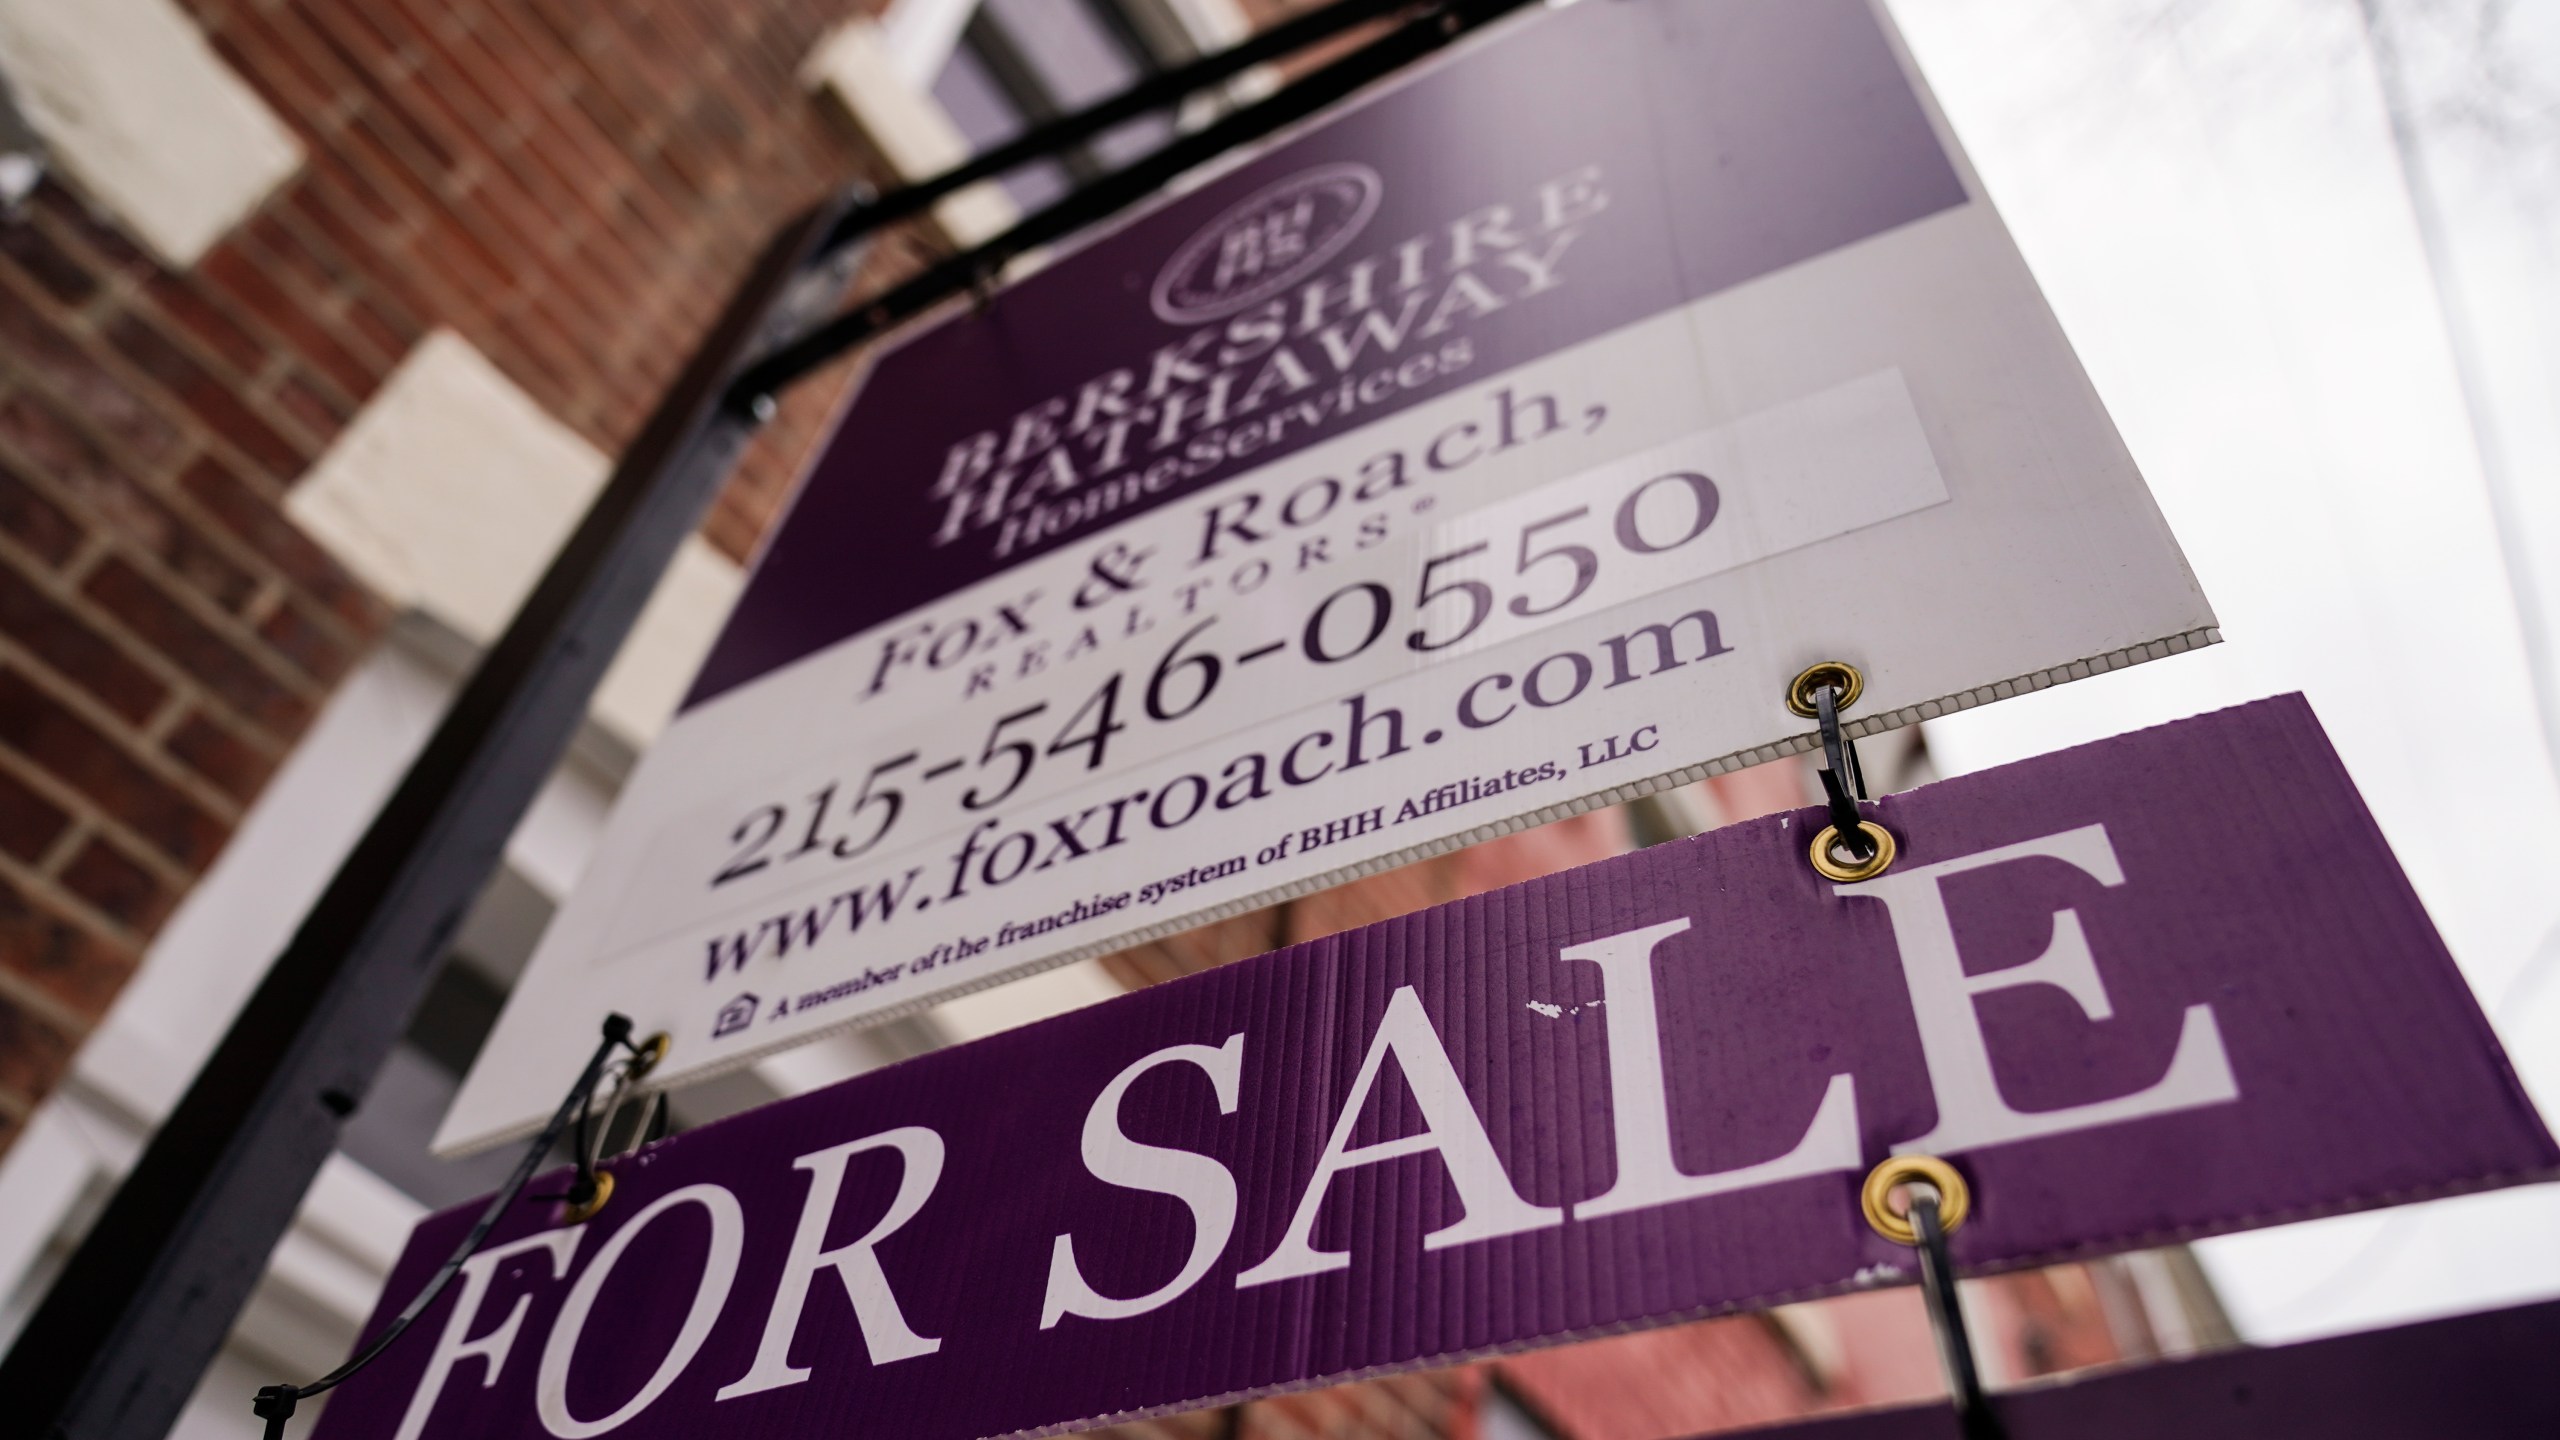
144 1304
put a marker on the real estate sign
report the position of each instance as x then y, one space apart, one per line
1498 448
2162 986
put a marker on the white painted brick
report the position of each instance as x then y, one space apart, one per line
855 67
450 492
137 108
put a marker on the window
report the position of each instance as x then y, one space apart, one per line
1018 64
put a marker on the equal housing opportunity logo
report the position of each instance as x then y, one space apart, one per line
1266 242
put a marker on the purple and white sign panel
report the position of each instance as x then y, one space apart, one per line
2157 987
1496 449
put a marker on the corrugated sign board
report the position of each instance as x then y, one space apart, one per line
2161 986
1495 449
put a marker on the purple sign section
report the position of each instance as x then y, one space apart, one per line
2162 986
1731 138
2477 1377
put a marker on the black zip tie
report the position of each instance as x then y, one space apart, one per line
1840 755
274 1403
1946 1320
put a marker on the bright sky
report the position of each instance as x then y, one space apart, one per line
2210 196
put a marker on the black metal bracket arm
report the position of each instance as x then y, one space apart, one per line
1428 27
1161 91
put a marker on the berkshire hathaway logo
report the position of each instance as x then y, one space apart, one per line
1266 242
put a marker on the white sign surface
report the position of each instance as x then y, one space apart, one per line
1496 450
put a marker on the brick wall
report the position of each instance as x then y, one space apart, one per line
571 186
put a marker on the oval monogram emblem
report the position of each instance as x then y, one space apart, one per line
1266 242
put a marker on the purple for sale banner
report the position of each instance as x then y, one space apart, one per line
2163 986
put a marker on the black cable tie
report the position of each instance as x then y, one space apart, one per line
1844 784
1946 1321
274 1404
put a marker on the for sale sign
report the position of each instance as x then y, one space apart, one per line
2159 987
1496 449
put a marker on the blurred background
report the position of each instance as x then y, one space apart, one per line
320 321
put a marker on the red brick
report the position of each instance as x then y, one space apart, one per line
197 647
577 30
361 197
693 176
375 61
58 450
311 405
767 54
456 75
615 93
29 823
482 263
309 645
258 521
714 122
433 98
522 65
118 886
662 61
31 249
537 356
26 516
78 754
372 140
606 254
292 311
109 249
71 370
34 1051
315 92
535 223
54 634
220 755
382 326
216 404
334 210
289 85
187 300
280 240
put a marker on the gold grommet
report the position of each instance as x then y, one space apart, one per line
578 1214
1955 1198
650 1054
1828 864
1837 675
